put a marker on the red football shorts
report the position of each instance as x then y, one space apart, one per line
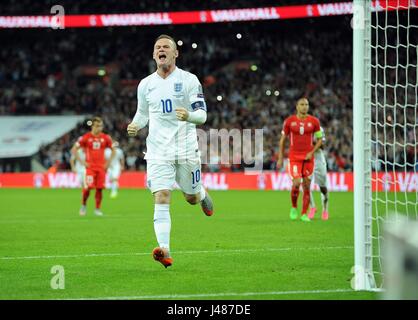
300 169
95 178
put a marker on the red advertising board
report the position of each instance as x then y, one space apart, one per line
337 181
196 17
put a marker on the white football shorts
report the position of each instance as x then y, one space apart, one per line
163 174
81 175
114 173
320 171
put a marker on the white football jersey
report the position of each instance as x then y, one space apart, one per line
319 154
158 99
115 164
78 166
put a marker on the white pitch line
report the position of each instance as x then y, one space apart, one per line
214 295
174 252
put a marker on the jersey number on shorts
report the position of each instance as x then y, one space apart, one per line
196 176
167 105
89 179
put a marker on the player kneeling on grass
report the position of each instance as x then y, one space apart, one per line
172 101
320 176
94 144
301 128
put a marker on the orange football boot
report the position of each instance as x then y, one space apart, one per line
163 256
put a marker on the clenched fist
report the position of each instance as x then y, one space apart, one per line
132 130
182 114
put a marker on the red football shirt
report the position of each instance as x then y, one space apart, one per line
94 148
301 134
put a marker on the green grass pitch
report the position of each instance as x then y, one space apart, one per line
249 249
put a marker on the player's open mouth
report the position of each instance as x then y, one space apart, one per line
162 57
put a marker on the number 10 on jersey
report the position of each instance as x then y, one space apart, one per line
167 105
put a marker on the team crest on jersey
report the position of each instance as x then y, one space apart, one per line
178 87
101 140
309 124
301 130
293 123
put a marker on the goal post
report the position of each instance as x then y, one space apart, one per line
363 264
385 129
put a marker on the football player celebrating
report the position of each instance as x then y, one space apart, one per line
172 101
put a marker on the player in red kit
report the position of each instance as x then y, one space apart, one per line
300 128
94 144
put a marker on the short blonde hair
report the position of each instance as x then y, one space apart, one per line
165 36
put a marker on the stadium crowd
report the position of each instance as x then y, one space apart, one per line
250 81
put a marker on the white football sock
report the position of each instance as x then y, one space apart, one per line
114 186
162 224
311 200
202 193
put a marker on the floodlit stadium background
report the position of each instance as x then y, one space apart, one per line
254 59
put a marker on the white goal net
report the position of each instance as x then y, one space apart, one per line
390 129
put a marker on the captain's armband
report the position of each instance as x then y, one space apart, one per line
318 134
